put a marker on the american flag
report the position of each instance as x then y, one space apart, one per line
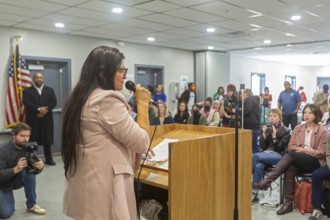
18 79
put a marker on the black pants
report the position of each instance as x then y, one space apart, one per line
303 163
290 119
48 153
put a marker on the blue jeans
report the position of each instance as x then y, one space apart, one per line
319 175
7 201
255 144
259 161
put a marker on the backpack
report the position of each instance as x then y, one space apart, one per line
303 197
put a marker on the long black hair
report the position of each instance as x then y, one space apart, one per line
98 71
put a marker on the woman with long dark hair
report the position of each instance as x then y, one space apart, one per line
182 115
101 143
306 153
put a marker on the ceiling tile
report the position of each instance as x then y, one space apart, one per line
73 20
43 28
146 24
107 7
202 28
225 10
264 21
189 3
193 15
128 2
306 3
67 2
157 6
26 12
233 25
322 11
263 7
50 23
165 19
125 28
320 26
286 16
7 23
35 4
84 13
185 32
14 18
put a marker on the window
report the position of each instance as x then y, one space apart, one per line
292 80
257 83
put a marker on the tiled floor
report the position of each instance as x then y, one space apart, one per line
50 185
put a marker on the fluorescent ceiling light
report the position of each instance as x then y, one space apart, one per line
267 41
289 45
210 47
117 10
289 35
210 30
59 25
151 39
295 17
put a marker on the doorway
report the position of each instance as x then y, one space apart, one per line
149 76
57 75
322 81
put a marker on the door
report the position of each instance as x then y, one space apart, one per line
57 75
149 76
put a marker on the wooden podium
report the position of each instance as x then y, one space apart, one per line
200 177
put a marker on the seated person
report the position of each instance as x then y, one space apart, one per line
162 116
159 94
215 118
14 173
182 115
319 175
274 140
326 118
306 153
207 109
197 118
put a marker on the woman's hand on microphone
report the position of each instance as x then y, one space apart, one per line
142 95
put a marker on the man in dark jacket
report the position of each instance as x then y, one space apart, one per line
252 116
39 101
16 172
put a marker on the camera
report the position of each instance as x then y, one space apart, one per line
269 130
30 149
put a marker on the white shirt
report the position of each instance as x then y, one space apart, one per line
39 89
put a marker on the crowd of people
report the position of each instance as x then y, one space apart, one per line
104 136
279 139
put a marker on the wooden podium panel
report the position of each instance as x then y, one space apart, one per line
201 175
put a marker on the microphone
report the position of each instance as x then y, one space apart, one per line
130 85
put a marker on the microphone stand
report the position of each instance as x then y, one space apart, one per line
236 159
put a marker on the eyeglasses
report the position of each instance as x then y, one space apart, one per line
122 70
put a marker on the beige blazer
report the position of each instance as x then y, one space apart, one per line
103 185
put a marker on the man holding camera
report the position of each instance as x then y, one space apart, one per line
14 175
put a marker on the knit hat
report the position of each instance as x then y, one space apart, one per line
325 87
231 87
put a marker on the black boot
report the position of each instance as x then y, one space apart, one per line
277 171
48 155
288 185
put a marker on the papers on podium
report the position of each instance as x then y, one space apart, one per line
161 151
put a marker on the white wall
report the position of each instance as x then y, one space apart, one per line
242 67
217 71
43 44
